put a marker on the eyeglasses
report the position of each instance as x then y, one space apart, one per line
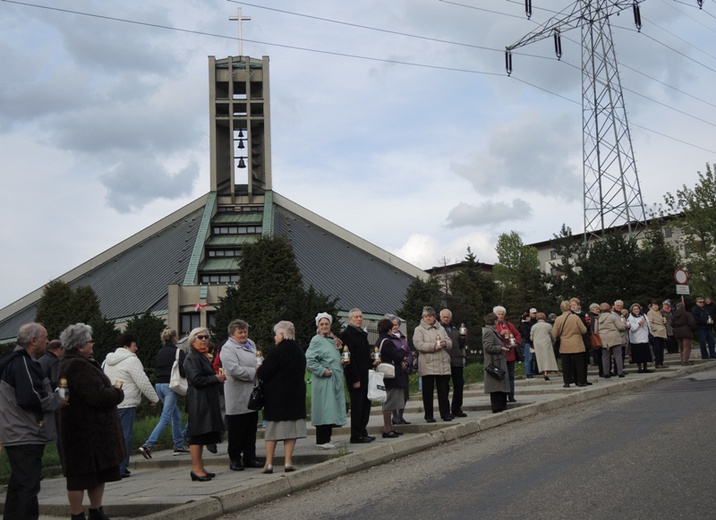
202 337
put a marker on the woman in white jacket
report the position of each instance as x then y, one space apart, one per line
124 365
639 330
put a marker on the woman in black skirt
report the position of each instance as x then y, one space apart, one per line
202 402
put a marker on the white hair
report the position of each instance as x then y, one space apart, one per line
286 328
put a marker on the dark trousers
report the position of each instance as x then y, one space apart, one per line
657 344
443 385
242 436
706 339
360 411
597 360
458 384
323 433
511 377
574 369
24 485
498 401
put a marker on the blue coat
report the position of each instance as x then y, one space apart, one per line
328 399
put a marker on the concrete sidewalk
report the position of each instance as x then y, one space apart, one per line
161 488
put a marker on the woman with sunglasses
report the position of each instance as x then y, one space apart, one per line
202 402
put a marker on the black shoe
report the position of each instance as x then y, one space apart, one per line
647 371
235 465
447 418
459 414
581 385
565 385
370 437
253 464
430 419
621 375
390 435
511 400
587 384
403 421
212 448
360 440
397 432
97 514
606 377
210 475
195 477
125 474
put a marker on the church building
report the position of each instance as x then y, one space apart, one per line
180 266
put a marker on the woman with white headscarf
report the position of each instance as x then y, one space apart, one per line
328 401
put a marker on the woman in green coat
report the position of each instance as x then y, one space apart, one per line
328 400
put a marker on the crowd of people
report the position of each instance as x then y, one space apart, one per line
55 391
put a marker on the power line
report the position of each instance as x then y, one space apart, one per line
655 40
366 27
355 56
670 86
481 9
450 42
280 45
695 20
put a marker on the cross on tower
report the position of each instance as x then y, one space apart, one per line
240 19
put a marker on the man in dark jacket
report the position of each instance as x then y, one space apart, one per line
27 420
704 325
356 373
51 360
457 363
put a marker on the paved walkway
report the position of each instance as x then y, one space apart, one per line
161 489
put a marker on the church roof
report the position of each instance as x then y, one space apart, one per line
133 276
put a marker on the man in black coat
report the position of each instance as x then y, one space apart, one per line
704 326
51 360
356 373
457 363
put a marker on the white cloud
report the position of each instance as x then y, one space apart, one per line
110 119
489 213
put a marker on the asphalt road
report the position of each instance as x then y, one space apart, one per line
642 455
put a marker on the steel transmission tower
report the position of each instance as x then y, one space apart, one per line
612 195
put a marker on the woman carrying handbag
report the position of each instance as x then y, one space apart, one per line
495 355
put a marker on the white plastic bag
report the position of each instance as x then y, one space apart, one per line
177 383
376 387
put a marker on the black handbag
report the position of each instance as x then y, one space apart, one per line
256 399
495 371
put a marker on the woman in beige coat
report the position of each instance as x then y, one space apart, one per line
432 342
542 340
568 328
657 323
610 328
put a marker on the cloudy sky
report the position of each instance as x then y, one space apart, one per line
394 119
